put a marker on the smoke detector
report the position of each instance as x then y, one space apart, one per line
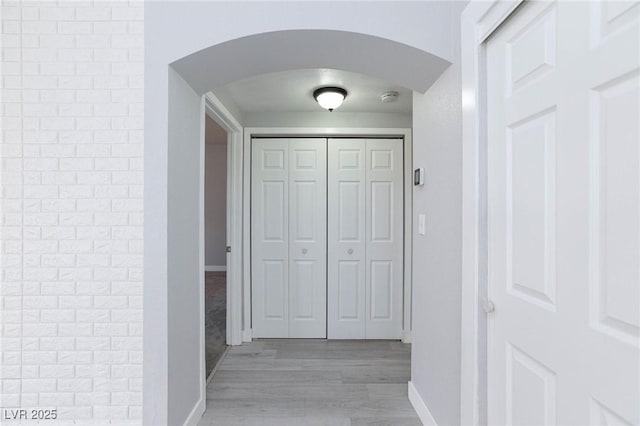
389 97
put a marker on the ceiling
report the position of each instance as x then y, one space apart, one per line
291 91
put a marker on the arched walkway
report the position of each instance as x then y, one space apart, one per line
299 49
173 163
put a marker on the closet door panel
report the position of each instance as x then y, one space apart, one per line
307 238
346 233
384 239
270 237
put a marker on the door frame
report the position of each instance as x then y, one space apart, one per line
478 21
215 109
327 132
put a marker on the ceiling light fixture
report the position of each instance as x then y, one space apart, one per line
330 97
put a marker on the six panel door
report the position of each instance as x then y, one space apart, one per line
346 239
384 234
564 215
288 237
270 237
365 257
308 238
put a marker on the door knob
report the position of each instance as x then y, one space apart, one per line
304 251
489 306
350 251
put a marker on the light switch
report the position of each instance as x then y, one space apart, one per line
421 223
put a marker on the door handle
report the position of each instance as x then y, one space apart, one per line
350 251
304 251
488 306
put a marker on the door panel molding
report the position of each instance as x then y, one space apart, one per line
288 246
563 215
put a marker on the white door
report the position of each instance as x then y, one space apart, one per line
347 241
288 237
563 215
308 238
365 257
384 233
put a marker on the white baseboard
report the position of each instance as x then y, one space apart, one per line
406 336
421 408
215 268
247 335
196 413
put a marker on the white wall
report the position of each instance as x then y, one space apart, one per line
72 205
181 28
215 202
327 119
437 146
183 275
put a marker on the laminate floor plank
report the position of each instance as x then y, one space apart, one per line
288 391
251 376
274 421
312 383
387 421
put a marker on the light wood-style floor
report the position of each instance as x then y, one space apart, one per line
312 383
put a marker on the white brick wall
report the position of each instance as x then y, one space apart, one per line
71 210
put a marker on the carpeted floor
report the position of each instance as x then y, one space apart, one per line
215 317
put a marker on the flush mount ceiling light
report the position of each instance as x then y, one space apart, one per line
330 97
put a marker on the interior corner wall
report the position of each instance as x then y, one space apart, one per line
183 257
215 202
437 255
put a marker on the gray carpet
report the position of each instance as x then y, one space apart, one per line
215 317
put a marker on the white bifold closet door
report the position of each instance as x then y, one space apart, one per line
288 237
365 238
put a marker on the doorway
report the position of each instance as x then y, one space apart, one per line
215 228
392 323
327 238
176 194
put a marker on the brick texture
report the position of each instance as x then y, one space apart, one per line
71 209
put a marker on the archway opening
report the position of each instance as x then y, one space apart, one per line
176 397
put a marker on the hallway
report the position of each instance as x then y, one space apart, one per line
312 383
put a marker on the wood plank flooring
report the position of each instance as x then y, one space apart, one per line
312 383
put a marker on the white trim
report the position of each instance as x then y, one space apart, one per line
216 110
246 239
199 408
403 132
215 268
421 408
408 237
479 20
196 413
